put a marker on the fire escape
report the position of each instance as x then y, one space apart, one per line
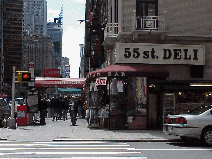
97 37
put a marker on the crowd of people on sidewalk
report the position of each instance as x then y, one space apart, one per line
59 106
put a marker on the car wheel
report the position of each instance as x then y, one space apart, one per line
207 137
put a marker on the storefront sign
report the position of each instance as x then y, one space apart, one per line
129 119
67 70
160 53
59 82
101 81
51 73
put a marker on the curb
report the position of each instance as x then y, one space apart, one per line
121 140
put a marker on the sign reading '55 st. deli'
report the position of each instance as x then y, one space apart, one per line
160 53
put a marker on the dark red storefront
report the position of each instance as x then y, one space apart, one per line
124 100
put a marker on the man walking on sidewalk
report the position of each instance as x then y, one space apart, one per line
73 111
65 108
55 104
42 109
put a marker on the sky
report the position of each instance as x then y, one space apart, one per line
73 31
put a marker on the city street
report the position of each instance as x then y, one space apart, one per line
79 149
63 131
57 139
173 150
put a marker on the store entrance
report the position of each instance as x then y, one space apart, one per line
117 103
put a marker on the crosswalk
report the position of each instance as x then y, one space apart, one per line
68 149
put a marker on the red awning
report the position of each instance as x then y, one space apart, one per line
59 82
133 70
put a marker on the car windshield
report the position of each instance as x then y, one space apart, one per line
199 110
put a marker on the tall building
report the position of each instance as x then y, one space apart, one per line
1 47
37 47
157 58
35 17
12 37
40 51
55 30
65 67
82 73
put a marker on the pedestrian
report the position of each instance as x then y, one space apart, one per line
73 111
65 108
54 105
76 104
60 107
42 109
79 107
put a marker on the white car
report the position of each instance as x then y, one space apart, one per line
195 124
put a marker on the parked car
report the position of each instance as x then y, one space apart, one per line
195 124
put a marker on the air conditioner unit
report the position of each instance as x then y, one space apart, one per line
149 23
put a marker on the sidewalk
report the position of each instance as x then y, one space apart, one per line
61 130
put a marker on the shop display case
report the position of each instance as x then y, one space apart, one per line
169 104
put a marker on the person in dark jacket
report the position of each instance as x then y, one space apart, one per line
73 110
65 108
76 105
55 105
60 107
42 109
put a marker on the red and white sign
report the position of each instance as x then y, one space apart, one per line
59 82
101 81
31 65
51 73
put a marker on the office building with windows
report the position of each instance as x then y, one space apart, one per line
1 48
55 31
40 51
12 14
35 17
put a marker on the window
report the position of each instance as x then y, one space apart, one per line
146 12
197 71
147 7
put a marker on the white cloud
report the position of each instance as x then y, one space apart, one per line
52 14
80 1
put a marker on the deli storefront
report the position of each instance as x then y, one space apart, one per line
146 83
118 95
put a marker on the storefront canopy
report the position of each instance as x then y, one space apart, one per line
69 91
59 82
133 70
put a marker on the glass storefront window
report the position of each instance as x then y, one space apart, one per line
117 96
137 96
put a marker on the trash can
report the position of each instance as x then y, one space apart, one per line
22 115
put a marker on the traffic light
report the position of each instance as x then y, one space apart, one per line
19 77
26 77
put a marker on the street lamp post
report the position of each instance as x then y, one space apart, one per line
12 121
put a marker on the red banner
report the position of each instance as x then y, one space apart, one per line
51 73
59 82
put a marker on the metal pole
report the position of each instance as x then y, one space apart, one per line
12 122
13 94
89 64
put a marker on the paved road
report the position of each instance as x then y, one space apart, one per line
62 130
173 150
79 149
